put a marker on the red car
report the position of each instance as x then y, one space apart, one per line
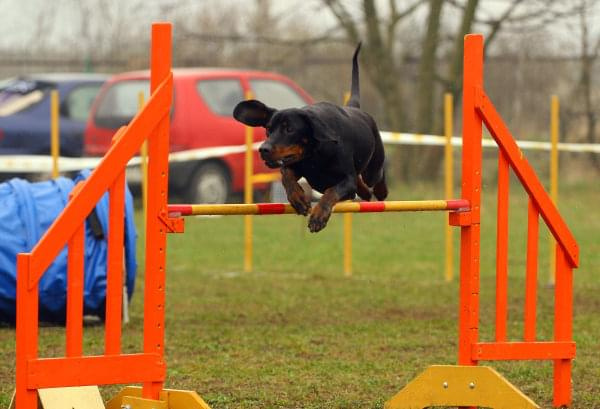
201 117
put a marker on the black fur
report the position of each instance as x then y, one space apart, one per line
335 148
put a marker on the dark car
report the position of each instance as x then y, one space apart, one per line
25 112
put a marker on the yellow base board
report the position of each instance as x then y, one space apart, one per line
168 399
75 397
453 385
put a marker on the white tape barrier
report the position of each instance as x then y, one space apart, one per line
43 164
417 139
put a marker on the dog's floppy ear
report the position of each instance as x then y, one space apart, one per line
322 132
253 113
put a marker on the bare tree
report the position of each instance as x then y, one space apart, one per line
590 49
381 37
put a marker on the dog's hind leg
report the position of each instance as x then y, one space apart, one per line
373 175
380 189
362 190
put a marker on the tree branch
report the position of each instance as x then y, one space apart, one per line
344 18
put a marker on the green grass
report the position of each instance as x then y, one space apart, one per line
296 333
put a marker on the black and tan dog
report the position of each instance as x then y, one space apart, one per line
337 149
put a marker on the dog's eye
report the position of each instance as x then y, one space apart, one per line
289 129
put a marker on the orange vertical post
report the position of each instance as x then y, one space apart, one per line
27 332
156 237
502 248
471 191
563 326
531 271
75 268
144 163
114 274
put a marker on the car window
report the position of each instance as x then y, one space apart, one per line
276 94
19 94
120 103
221 96
79 101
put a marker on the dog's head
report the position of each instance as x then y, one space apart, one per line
292 134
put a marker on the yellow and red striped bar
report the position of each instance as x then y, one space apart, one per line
342 207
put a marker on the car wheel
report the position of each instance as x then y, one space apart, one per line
209 184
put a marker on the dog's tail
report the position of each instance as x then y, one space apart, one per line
354 100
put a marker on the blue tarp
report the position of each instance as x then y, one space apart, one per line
26 211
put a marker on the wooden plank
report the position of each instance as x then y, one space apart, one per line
527 176
471 191
502 248
531 272
94 370
114 273
450 385
75 270
500 351
563 327
156 233
76 397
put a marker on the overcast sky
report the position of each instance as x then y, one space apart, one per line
22 20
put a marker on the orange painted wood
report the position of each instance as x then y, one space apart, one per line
563 326
502 248
147 368
156 232
471 191
95 370
26 332
531 272
502 351
528 177
102 177
114 275
75 269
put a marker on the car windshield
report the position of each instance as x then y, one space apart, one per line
276 94
120 103
19 94
78 103
221 95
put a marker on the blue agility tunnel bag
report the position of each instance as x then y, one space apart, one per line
26 211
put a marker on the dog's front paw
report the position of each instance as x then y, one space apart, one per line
318 218
299 201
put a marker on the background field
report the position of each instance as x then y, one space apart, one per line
297 334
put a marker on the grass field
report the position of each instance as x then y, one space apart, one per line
296 333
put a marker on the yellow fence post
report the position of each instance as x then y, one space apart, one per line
449 180
347 244
347 228
54 132
248 172
554 135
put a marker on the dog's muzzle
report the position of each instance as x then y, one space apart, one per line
266 151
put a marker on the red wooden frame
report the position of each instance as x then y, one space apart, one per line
478 110
32 372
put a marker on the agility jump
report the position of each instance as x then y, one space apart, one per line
343 207
464 385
